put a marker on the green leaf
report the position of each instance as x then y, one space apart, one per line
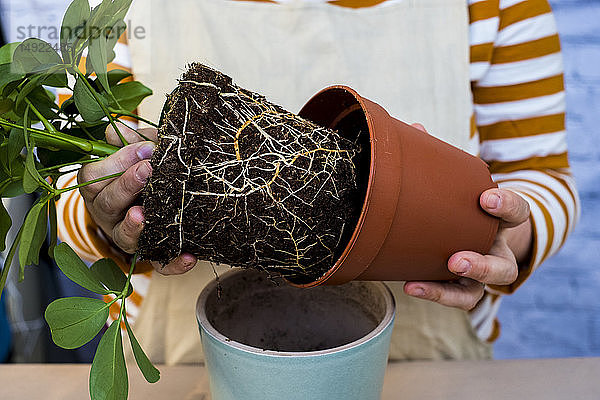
33 53
7 51
9 259
68 108
52 75
31 176
5 224
38 57
34 234
110 275
73 25
51 158
33 83
98 131
53 227
6 105
74 321
90 110
117 75
117 30
15 189
9 74
10 88
119 11
16 142
108 14
40 98
95 130
108 375
149 371
100 18
4 168
97 54
76 270
4 136
129 95
89 68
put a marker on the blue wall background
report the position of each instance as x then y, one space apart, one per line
556 313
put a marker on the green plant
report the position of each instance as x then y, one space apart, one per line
71 135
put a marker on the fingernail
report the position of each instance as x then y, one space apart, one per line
462 267
418 291
145 150
143 172
188 265
493 201
137 215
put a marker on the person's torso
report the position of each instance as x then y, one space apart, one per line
412 57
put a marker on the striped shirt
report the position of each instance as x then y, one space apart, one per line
518 126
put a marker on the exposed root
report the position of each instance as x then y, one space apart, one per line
253 185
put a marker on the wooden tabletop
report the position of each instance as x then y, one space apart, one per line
547 379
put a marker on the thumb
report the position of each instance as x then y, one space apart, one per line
505 204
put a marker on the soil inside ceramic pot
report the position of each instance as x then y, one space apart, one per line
260 313
238 180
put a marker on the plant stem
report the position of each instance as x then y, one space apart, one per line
64 141
80 162
8 260
136 130
126 288
132 115
104 178
29 146
45 122
110 303
8 181
85 130
101 104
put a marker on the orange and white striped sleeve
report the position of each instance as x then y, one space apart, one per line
76 227
519 121
519 101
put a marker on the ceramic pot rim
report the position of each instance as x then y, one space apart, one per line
387 320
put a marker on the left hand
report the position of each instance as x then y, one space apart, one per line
111 202
500 267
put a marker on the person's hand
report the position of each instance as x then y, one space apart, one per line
109 202
499 267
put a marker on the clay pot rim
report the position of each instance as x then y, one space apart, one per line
387 320
366 195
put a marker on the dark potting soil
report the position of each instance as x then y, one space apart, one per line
264 313
240 181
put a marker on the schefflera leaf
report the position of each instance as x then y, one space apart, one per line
37 56
76 270
108 375
129 95
7 51
5 224
34 231
73 24
150 372
98 56
87 105
33 53
111 276
74 321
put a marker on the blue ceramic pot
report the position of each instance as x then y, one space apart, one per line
264 341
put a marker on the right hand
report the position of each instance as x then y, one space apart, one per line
109 202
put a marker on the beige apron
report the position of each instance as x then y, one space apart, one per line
410 56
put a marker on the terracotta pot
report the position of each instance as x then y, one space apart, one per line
421 200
